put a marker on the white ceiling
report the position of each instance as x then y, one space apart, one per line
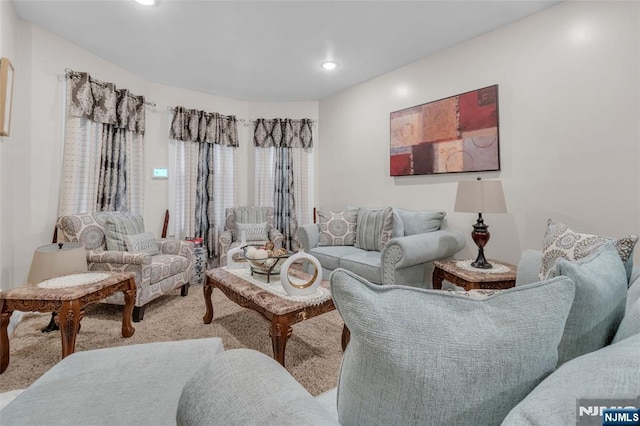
268 50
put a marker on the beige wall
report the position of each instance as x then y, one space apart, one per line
569 100
31 169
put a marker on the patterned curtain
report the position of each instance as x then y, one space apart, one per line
215 137
284 136
103 164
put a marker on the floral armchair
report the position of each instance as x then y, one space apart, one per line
257 222
160 266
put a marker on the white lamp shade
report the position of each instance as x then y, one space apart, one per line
480 196
57 260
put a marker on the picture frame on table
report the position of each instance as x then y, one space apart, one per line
6 95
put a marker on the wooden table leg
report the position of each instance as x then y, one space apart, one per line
280 331
207 290
346 336
4 337
129 301
438 277
68 319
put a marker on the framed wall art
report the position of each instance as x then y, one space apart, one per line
450 135
6 95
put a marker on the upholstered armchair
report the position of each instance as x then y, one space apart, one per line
116 242
256 222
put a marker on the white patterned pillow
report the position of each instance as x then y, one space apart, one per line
562 242
338 228
253 231
374 228
142 243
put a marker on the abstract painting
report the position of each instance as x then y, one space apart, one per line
455 134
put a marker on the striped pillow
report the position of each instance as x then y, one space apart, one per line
117 226
374 228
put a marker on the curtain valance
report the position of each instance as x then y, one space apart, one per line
103 103
283 132
200 126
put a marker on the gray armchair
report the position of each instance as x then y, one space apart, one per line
256 221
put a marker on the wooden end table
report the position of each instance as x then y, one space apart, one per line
281 312
69 303
473 280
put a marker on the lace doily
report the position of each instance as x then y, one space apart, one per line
274 287
74 280
497 267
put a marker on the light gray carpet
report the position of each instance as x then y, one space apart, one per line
313 352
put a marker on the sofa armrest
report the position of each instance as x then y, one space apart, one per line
411 250
118 257
529 267
309 235
276 238
246 387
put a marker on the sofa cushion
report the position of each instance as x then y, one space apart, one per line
82 228
374 228
104 386
144 243
562 242
433 357
337 228
599 303
116 226
609 375
419 222
630 324
253 231
329 257
365 264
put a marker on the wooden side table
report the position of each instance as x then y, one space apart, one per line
69 303
473 280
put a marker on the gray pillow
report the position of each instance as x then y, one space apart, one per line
337 228
609 376
421 356
116 226
143 243
420 222
599 305
253 231
374 228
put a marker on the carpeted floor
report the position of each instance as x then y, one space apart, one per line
313 352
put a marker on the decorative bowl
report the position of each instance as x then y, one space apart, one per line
268 265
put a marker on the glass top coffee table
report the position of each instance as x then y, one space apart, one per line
278 309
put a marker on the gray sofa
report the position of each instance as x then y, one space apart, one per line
417 239
416 356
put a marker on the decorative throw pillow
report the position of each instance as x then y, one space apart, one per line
598 305
420 222
374 228
145 243
337 228
610 373
116 226
432 357
562 242
253 231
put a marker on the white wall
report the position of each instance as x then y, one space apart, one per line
569 100
31 169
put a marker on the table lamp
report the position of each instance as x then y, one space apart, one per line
56 260
480 196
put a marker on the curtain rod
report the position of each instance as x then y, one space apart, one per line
69 70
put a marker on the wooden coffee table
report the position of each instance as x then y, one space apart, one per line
69 303
281 312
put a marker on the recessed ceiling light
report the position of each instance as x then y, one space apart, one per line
329 65
146 2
